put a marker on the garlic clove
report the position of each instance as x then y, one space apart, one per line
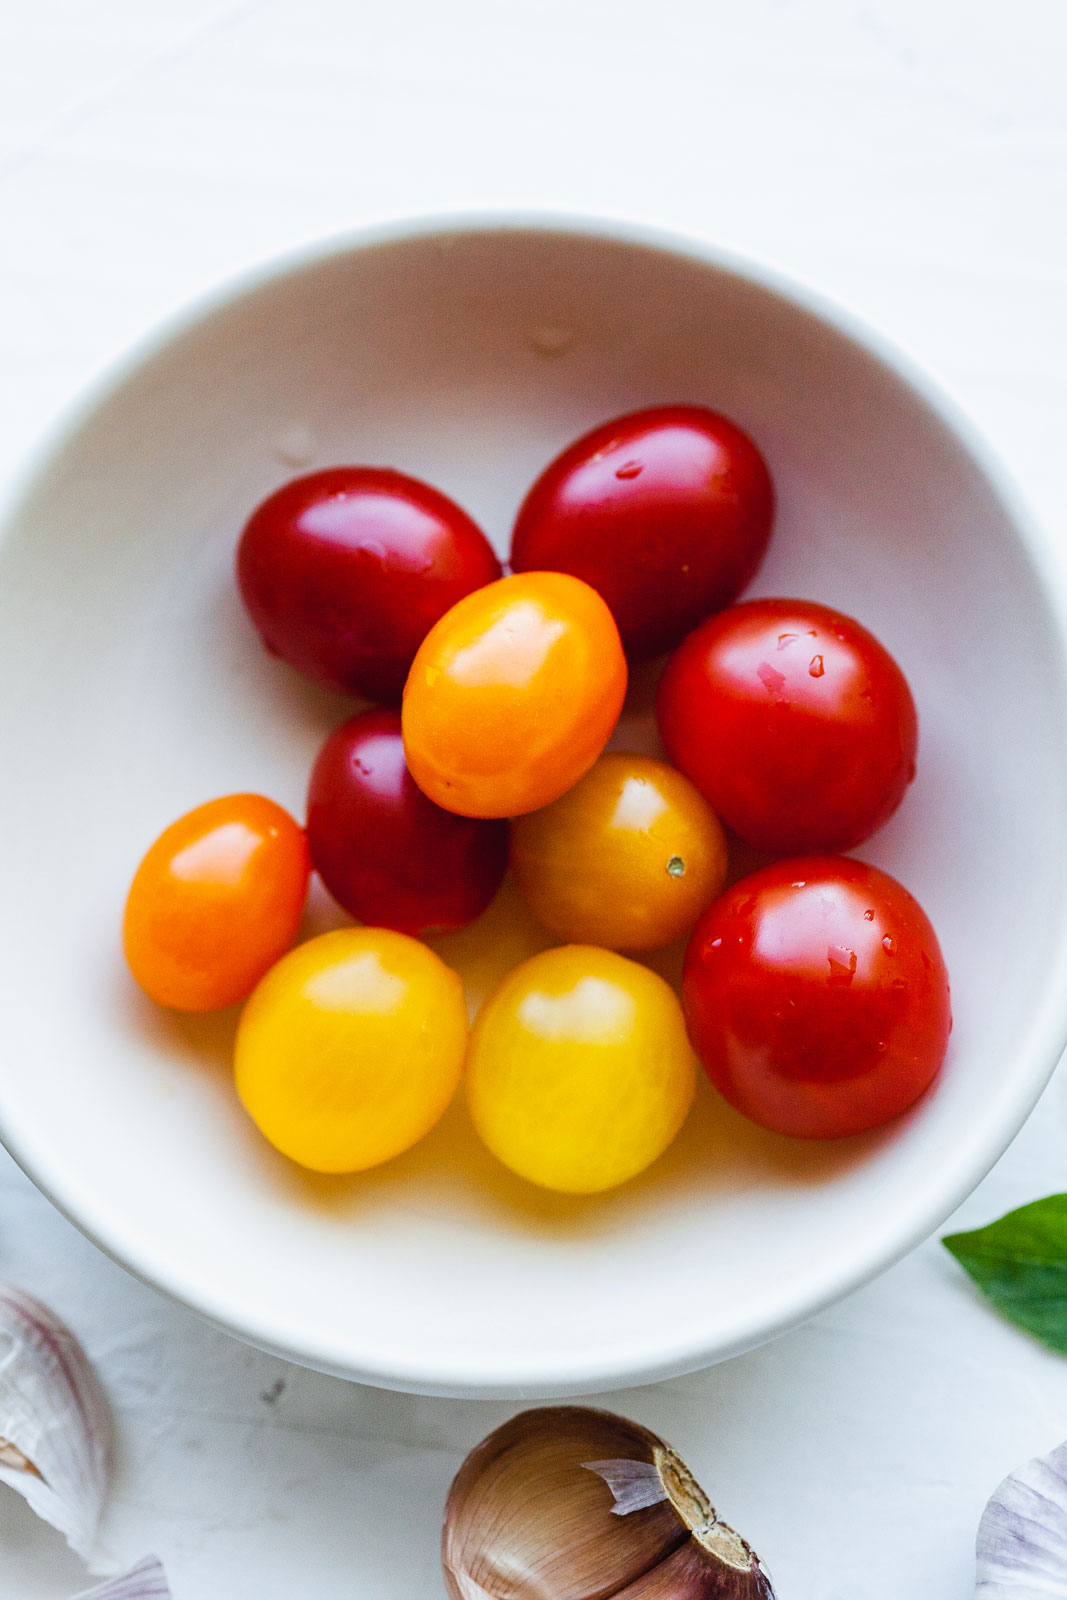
55 1430
569 1503
1022 1537
145 1581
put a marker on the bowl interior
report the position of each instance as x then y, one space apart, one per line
134 688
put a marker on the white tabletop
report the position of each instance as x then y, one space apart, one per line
908 157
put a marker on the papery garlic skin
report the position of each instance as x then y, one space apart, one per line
55 1429
144 1581
1022 1537
569 1503
634 1484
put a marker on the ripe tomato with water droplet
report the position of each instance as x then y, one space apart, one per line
811 1016
666 512
794 722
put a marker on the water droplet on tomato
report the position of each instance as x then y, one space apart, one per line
842 964
868 916
371 550
889 945
550 340
815 667
629 469
784 639
800 883
715 943
676 867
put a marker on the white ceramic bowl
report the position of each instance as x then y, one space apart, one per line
467 352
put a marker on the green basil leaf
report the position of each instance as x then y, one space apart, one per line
1020 1264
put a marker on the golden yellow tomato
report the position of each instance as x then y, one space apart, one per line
351 1047
629 858
579 1072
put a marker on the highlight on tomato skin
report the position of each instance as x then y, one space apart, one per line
817 997
667 512
386 853
217 899
345 571
794 722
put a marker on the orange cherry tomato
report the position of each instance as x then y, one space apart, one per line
628 858
513 695
215 902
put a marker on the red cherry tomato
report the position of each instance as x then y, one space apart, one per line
344 572
665 512
385 852
817 997
794 723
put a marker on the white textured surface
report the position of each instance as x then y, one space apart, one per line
910 158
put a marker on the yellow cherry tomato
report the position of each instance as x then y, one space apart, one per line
216 900
351 1047
579 1072
628 858
513 695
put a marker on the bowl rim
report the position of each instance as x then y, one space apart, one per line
1035 1057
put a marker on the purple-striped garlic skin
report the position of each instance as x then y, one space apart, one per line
1022 1538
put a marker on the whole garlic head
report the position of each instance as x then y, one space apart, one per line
569 1503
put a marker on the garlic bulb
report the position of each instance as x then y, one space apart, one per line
55 1436
567 1503
55 1431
